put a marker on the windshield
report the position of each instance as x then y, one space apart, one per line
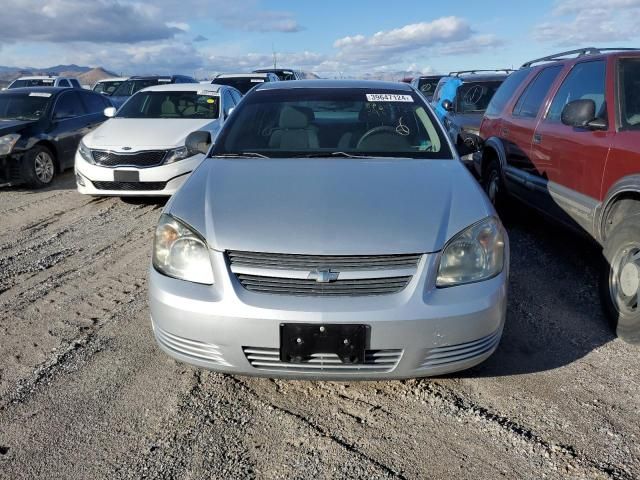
428 86
325 122
244 84
201 104
129 87
107 88
630 93
474 97
23 106
37 82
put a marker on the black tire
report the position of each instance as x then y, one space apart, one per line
39 167
620 275
494 186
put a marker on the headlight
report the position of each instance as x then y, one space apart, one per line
7 143
85 153
180 252
474 254
177 154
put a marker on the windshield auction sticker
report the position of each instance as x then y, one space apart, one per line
257 80
39 94
209 93
388 97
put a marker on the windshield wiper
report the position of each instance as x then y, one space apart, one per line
331 154
240 155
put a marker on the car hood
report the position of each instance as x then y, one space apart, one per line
139 133
330 206
14 126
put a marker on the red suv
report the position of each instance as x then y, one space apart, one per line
562 134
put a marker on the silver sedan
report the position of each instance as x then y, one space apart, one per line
333 233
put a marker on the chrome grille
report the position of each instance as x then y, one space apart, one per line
376 361
441 356
295 286
311 262
149 158
129 186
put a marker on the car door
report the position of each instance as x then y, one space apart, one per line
94 105
68 125
517 130
572 160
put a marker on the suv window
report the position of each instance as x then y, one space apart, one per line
474 97
68 106
506 91
75 83
630 93
64 83
585 81
530 101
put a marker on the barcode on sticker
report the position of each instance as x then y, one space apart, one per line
388 97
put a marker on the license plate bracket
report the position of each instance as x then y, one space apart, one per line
126 176
299 341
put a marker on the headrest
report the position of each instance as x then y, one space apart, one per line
291 117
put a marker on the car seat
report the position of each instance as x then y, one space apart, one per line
294 131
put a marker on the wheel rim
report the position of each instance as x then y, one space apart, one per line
44 168
624 282
493 188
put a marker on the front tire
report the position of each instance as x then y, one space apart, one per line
620 279
39 167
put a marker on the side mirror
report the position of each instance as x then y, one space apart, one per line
470 143
582 114
447 105
110 112
198 142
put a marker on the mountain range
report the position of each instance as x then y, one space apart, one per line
86 75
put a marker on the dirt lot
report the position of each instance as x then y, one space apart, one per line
85 393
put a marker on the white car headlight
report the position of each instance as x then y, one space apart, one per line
177 154
7 142
473 255
85 152
180 252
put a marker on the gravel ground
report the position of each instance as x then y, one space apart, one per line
85 393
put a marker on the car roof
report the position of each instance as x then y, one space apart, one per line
40 77
274 70
113 79
243 75
319 83
182 87
480 77
52 90
428 77
591 53
152 77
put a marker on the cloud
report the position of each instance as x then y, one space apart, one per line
200 38
588 21
62 21
442 36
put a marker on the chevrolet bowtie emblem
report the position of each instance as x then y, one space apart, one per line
323 275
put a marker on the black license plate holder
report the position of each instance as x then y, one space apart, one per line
299 341
126 176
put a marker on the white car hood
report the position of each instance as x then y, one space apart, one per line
142 133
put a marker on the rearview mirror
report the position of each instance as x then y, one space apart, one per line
110 112
469 143
198 142
447 105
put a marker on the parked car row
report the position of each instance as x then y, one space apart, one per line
336 234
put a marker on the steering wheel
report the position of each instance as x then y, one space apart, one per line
377 131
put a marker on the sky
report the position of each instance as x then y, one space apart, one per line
331 37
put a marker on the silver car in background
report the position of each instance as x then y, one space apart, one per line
333 233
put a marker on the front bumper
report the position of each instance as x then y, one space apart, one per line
417 332
162 181
10 169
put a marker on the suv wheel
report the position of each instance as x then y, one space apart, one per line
620 279
493 185
39 167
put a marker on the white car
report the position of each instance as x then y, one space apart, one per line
141 150
45 81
